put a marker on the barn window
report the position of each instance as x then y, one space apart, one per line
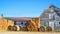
51 16
59 22
14 22
21 22
52 10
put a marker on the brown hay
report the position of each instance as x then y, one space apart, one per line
10 28
48 28
42 29
14 28
30 26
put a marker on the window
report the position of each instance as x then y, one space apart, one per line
59 22
16 23
21 22
52 10
51 17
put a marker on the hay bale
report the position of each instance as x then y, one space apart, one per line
21 29
25 28
42 29
48 29
10 28
14 28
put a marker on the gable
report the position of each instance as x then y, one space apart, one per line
57 12
50 9
45 14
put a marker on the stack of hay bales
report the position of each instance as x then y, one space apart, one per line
30 26
37 22
10 22
33 24
4 23
1 23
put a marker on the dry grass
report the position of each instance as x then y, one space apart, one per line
14 32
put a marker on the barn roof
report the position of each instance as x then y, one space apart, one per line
20 19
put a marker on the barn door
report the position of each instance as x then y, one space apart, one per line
51 24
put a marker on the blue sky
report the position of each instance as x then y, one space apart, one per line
25 8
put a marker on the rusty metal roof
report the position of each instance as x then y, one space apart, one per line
20 19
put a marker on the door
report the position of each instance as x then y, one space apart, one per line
51 24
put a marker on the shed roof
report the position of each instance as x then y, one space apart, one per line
20 19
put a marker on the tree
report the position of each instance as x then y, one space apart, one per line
2 15
45 23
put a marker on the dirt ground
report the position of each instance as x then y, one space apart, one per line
29 32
